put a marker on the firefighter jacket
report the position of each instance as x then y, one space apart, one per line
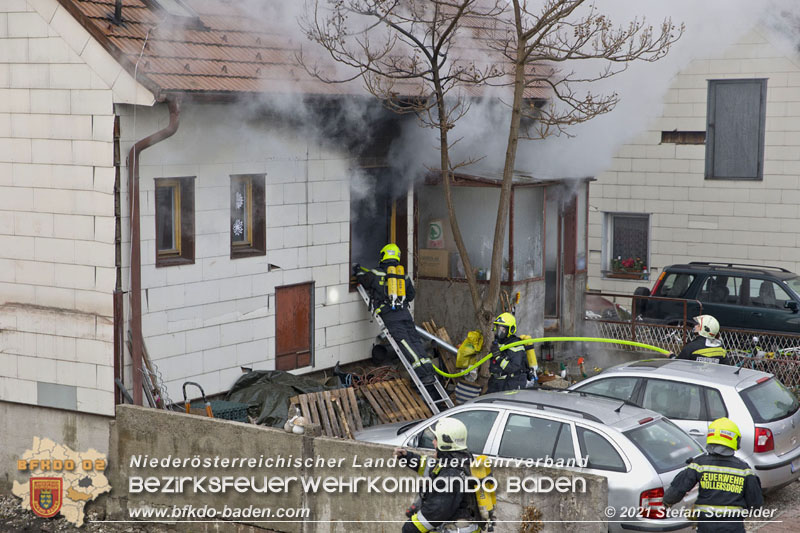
727 485
705 350
509 362
436 506
374 281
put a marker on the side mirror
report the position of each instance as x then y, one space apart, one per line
791 304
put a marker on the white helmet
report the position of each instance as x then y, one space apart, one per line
451 435
709 327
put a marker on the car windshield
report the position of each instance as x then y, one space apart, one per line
794 284
664 444
769 401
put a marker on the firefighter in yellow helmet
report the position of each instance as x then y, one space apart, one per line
727 484
395 314
510 366
445 506
706 347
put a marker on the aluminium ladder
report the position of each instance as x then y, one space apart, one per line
432 404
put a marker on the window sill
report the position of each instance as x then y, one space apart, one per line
173 261
247 252
624 275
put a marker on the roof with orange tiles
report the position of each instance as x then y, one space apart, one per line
218 49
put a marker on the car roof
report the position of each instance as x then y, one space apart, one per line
732 269
575 405
692 371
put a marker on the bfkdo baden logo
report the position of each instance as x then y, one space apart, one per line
60 480
46 495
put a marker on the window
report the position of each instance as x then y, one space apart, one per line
735 129
621 388
602 455
675 285
664 444
716 407
528 437
174 202
628 235
769 401
479 423
248 224
673 400
721 289
767 294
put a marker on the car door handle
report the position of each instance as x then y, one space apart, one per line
757 314
696 433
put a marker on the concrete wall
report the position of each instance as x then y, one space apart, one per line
19 424
57 90
203 321
159 434
708 220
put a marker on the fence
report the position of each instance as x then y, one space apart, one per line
776 353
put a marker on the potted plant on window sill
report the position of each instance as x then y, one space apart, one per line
630 268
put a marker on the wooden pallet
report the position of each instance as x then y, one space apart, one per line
395 401
335 411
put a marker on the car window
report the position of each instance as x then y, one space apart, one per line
479 423
602 454
673 399
664 444
621 388
720 289
675 285
794 284
765 293
530 437
769 401
716 407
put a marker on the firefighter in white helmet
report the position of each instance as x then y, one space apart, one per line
706 346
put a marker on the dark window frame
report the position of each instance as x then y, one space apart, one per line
255 211
183 252
711 118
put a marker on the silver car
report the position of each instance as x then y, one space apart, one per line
692 394
638 451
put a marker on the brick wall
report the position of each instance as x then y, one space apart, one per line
693 219
57 89
204 321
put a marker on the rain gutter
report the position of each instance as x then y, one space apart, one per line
173 103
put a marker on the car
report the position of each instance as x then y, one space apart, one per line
693 394
739 296
638 451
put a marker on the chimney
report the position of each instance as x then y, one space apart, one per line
117 12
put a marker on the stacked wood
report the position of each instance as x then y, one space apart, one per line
395 401
335 411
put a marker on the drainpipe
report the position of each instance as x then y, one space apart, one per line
136 246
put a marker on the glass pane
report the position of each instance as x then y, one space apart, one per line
621 388
529 437
240 210
664 444
672 399
629 239
528 208
602 454
675 285
720 289
769 401
479 423
165 218
716 407
765 293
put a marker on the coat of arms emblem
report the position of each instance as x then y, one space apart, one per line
46 495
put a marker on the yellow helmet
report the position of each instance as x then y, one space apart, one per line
723 431
390 251
507 320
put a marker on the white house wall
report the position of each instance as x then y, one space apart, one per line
693 219
204 321
57 89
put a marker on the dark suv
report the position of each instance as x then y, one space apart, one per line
740 296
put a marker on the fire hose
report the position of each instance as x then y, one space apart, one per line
551 339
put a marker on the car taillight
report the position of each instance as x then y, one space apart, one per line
651 503
654 292
763 441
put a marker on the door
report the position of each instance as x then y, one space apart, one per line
294 325
767 306
552 254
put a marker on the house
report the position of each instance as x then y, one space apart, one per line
176 191
713 178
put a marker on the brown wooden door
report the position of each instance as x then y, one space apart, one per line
294 325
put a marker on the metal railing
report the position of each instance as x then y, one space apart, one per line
768 351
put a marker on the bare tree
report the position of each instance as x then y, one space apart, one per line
419 56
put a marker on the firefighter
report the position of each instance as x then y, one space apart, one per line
727 484
394 311
510 368
448 506
706 346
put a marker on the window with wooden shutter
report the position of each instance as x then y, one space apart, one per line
735 129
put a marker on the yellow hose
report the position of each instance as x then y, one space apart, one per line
551 339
